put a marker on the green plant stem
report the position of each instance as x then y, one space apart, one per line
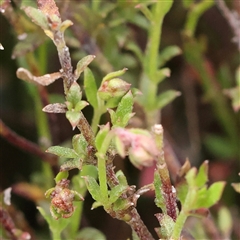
194 14
183 215
96 119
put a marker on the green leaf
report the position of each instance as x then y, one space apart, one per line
202 176
74 95
73 117
167 54
37 16
208 197
165 98
82 65
62 152
121 177
182 190
114 74
214 194
190 177
131 46
159 200
72 164
80 145
167 225
56 227
124 111
65 24
90 233
61 175
101 136
116 192
161 75
93 188
90 88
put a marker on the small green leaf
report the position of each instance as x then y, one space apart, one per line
214 194
80 145
202 176
90 88
182 190
93 188
167 225
80 106
124 111
74 95
114 74
101 136
72 164
187 3
116 192
166 97
73 118
167 54
82 65
90 233
162 74
190 177
37 16
121 177
65 24
61 175
206 198
56 227
131 46
159 200
62 152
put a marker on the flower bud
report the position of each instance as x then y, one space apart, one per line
140 144
113 88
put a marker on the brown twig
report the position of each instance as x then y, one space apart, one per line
25 144
233 19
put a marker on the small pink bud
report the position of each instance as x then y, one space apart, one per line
113 88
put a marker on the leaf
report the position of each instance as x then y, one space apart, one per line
89 233
73 118
116 192
123 114
55 108
37 16
72 164
101 136
114 74
208 197
161 75
167 54
82 65
167 225
55 226
90 88
74 95
80 145
93 188
214 193
44 80
49 7
131 46
62 152
65 24
159 200
202 176
165 98
61 175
